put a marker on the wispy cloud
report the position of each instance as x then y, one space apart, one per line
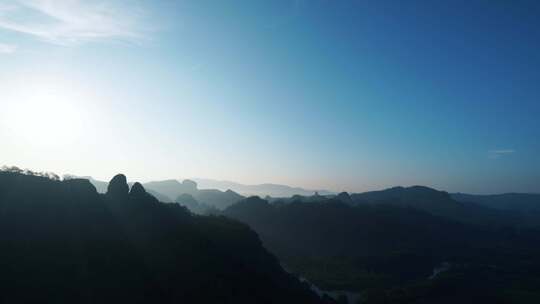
7 48
68 22
494 154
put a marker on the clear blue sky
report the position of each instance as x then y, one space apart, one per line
341 95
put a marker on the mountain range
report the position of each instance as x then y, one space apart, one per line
209 193
262 190
173 188
170 190
71 240
63 242
389 246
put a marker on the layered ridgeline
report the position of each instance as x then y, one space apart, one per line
403 245
63 242
439 203
479 210
273 190
187 193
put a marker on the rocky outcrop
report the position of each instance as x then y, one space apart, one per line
137 190
118 187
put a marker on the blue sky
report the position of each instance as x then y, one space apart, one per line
341 95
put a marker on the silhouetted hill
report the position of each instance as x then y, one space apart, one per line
63 242
167 189
419 197
436 202
373 248
101 187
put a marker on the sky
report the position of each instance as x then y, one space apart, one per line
337 95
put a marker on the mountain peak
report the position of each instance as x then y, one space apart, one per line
118 187
137 190
344 197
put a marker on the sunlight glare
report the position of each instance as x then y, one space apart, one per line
45 116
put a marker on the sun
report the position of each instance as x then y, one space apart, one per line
44 115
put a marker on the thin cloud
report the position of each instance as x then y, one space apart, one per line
494 154
7 48
68 22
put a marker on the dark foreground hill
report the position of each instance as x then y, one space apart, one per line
62 242
392 253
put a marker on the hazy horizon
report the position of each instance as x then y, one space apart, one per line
320 95
204 181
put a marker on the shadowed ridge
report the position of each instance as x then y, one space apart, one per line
344 197
138 193
81 188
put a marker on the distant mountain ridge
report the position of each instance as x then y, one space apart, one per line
439 203
172 190
460 206
435 202
262 190
223 185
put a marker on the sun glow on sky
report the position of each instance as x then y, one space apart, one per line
46 114
344 96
